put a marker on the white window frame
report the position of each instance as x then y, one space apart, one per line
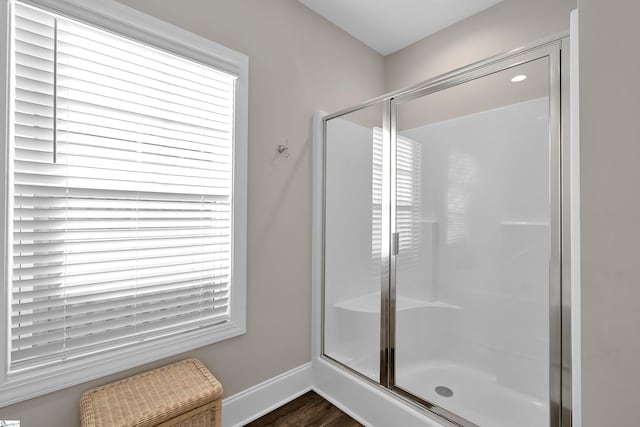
122 20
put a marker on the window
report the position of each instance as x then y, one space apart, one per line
126 197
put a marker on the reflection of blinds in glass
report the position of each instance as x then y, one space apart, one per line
376 198
408 197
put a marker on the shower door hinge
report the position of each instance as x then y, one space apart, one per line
395 244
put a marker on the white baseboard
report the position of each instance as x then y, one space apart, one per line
364 403
252 403
340 406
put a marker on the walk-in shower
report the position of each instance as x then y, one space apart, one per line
442 242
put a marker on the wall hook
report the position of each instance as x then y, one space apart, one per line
284 149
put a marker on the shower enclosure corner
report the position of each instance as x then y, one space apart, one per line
442 242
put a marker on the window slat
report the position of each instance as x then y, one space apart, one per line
109 309
112 335
217 286
75 286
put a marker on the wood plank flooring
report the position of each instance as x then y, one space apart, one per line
308 410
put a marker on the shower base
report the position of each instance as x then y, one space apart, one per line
476 396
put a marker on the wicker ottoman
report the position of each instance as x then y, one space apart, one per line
183 394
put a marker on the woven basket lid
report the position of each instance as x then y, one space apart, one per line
151 397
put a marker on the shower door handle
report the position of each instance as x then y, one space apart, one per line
395 244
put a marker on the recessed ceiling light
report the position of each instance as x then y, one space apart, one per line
518 78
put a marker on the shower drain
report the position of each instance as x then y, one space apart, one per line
444 391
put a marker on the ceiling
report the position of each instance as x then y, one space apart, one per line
390 25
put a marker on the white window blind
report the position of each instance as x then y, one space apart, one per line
122 179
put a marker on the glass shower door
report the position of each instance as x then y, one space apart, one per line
473 216
354 233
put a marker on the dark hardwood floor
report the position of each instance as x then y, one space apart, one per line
308 410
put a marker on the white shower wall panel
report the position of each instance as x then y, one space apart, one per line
485 183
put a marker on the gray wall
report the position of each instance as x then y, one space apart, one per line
299 63
610 176
505 26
